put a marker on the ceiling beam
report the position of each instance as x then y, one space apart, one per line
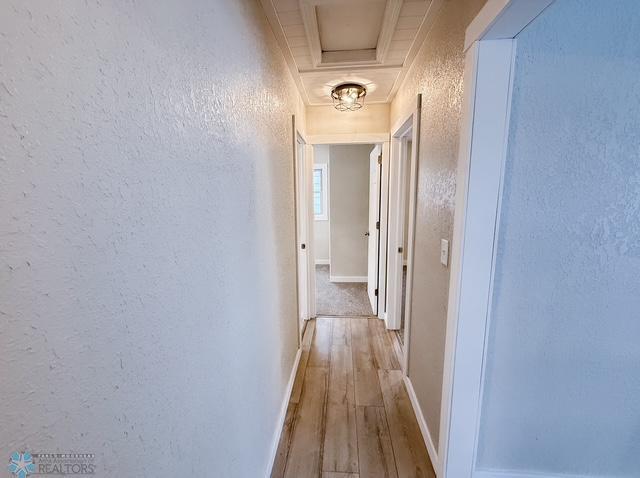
423 31
389 22
351 69
310 20
278 32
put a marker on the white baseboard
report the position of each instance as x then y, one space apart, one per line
525 474
283 414
322 262
426 435
348 278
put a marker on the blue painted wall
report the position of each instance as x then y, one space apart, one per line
562 383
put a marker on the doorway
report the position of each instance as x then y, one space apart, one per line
402 205
405 175
302 167
346 202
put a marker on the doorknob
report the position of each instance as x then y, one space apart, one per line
303 246
366 233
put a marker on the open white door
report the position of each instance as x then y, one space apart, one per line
311 257
375 161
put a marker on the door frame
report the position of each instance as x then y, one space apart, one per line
303 213
377 150
490 49
381 139
408 126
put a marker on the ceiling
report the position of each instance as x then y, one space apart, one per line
328 42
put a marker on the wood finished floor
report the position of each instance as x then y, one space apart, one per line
349 415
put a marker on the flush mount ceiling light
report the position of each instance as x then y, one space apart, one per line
348 96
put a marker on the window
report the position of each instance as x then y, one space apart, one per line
320 192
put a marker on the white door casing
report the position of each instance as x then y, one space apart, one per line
490 48
375 160
383 234
406 129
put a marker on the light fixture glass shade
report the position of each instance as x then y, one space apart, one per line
348 96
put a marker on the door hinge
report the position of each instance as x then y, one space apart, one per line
400 249
380 159
376 292
377 224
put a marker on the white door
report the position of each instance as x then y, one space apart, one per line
311 258
302 233
375 160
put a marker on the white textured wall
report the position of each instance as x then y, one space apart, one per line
562 379
321 228
437 74
147 268
349 198
326 119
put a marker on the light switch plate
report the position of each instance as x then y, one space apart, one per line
444 252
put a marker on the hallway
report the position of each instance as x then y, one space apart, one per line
219 216
349 415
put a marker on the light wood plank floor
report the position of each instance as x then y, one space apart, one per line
349 415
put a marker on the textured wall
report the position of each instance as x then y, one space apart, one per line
562 384
349 208
321 228
147 304
437 74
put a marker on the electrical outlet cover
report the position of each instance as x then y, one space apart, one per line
444 252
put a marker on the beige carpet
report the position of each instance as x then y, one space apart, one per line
340 298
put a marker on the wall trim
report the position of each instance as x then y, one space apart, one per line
483 146
384 226
524 474
406 127
424 428
503 19
348 138
283 414
348 278
323 262
490 53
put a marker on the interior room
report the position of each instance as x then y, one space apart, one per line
341 184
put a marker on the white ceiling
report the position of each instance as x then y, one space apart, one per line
327 42
350 26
